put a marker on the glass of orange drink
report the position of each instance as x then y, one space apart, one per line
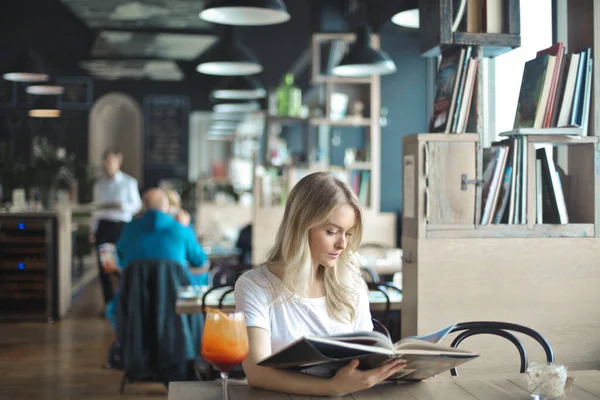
224 342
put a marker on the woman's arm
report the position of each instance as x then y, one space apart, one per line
347 380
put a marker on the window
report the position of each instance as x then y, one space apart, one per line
506 71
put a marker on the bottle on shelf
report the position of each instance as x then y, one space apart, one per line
289 98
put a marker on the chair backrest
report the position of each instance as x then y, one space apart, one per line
501 329
369 275
379 327
227 289
151 333
226 274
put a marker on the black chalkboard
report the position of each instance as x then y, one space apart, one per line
166 120
8 94
78 93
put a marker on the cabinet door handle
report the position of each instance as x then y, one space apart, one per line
407 258
464 182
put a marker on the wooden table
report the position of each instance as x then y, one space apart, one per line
486 387
194 305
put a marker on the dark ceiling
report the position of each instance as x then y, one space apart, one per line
159 39
157 14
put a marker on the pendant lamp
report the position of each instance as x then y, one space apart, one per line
31 69
407 18
223 125
228 116
44 107
239 88
245 12
228 57
45 90
236 107
364 60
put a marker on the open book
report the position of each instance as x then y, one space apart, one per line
324 355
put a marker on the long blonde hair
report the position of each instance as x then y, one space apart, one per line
309 204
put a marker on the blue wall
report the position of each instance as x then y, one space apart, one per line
404 94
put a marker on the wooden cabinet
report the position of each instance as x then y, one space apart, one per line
540 275
442 198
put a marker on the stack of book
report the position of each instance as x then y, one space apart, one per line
504 195
556 90
456 78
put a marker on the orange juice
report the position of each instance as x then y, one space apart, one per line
224 341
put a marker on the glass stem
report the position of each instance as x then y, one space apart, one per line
224 376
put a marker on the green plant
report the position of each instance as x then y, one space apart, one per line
51 167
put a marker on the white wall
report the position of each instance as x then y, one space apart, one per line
536 34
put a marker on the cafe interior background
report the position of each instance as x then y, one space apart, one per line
126 76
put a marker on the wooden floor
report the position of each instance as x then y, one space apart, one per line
63 360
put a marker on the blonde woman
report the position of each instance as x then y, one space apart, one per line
310 285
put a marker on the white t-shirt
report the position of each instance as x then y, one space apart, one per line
289 320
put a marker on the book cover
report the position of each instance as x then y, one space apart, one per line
569 92
460 92
579 86
446 87
557 50
324 355
531 91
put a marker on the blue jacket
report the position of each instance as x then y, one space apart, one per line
157 235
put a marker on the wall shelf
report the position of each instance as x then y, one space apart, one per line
436 30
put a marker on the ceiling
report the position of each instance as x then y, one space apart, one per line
157 14
160 39
142 39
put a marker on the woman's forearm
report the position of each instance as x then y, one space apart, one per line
292 382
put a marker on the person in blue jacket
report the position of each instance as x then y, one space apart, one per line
157 235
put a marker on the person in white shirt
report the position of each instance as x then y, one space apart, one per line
310 285
117 198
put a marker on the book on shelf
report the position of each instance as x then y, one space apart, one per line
504 192
556 91
456 78
324 355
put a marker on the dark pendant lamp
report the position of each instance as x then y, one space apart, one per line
245 12
223 126
364 60
32 69
236 107
44 106
239 88
228 57
407 18
228 116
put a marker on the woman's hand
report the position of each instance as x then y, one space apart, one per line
349 379
183 217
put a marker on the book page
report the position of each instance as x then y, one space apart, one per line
415 346
433 337
366 338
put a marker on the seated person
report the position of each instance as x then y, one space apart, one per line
310 285
157 235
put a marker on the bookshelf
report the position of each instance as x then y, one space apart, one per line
366 90
436 29
365 169
540 275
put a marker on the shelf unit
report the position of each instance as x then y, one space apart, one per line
366 90
444 209
436 30
540 275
